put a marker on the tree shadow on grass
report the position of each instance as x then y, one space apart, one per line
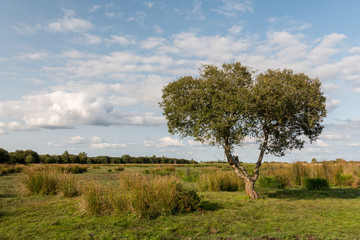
210 206
300 194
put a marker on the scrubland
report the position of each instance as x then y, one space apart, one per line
197 201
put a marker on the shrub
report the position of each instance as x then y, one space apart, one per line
142 196
68 185
315 184
119 168
74 169
220 181
343 179
39 182
270 182
6 169
96 201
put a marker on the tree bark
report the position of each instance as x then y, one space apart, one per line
241 171
250 189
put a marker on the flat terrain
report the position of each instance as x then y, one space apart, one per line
290 213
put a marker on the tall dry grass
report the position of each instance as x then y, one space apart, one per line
336 173
143 196
45 180
217 180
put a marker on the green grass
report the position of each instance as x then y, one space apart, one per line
280 214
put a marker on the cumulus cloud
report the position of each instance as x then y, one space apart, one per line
70 23
92 104
163 142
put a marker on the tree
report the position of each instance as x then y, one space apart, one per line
223 106
4 156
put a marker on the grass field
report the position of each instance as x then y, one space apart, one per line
290 213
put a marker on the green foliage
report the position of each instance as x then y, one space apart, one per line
224 105
217 180
286 107
343 179
188 175
316 184
210 108
4 156
270 182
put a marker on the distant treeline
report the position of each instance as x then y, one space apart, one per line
30 156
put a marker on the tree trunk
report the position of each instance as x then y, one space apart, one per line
250 189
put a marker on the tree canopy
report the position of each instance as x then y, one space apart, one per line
222 106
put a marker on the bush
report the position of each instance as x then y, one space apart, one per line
142 196
95 199
120 169
40 182
315 184
6 169
270 182
220 181
68 185
343 179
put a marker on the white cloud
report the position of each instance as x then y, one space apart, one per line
152 42
149 4
40 55
107 145
76 140
212 48
94 8
329 87
321 143
25 29
91 39
157 29
34 81
231 7
110 14
163 142
331 104
235 29
122 40
97 139
353 145
82 104
69 23
336 136
195 143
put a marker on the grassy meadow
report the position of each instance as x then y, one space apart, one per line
199 201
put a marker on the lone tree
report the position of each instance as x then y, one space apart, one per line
223 106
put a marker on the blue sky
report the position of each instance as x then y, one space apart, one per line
87 75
